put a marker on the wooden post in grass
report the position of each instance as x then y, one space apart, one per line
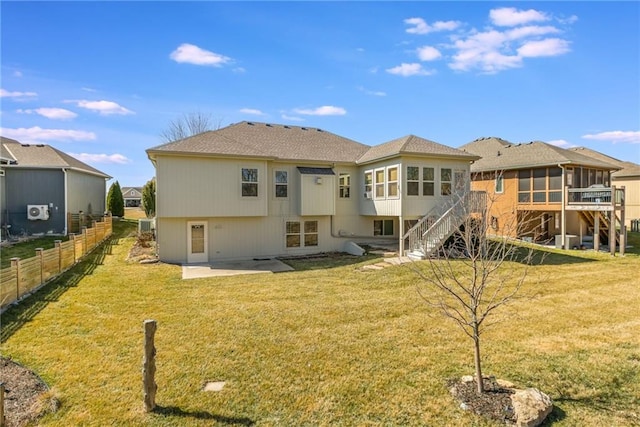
2 420
149 366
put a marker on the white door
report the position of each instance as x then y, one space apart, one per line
197 242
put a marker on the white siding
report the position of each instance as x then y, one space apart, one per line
386 205
206 187
317 194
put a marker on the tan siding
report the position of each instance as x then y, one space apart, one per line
203 187
85 193
317 194
632 197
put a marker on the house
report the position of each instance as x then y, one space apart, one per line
543 192
132 196
40 185
254 190
628 176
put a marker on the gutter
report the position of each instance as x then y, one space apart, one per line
66 203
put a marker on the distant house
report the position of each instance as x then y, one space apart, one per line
132 196
628 176
40 185
263 190
544 192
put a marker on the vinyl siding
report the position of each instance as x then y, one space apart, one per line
85 193
206 187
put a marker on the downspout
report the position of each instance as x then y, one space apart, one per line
66 204
563 218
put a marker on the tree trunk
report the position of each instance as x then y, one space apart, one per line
476 344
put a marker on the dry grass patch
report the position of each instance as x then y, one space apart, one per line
326 346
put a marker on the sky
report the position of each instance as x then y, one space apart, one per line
102 80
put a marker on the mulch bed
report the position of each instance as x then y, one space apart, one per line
23 401
494 403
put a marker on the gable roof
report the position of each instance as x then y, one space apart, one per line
283 142
271 141
627 169
126 190
412 145
499 154
41 156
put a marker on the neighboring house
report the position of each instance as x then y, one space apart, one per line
628 177
132 196
262 190
526 184
41 184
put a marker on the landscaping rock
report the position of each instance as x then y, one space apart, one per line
531 407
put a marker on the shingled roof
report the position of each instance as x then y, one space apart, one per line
271 141
499 154
413 145
16 154
627 169
283 142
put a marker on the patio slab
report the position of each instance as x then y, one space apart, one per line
233 268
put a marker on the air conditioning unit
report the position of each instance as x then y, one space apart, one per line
35 212
368 195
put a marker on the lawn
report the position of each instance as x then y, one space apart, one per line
323 346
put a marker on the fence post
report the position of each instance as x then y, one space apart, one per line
149 366
2 419
15 262
80 220
39 253
57 243
84 241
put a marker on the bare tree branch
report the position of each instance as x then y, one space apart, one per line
188 125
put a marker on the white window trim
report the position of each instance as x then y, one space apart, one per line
347 185
276 184
370 191
382 184
389 182
257 182
417 181
499 178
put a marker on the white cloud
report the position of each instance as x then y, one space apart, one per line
16 94
406 70
530 31
101 158
325 110
372 92
88 89
630 137
420 26
252 111
17 73
51 113
36 134
428 53
561 143
510 16
191 54
546 47
292 118
104 108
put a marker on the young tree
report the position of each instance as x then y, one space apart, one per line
478 272
115 200
149 198
188 125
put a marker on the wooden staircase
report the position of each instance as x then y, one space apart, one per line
604 221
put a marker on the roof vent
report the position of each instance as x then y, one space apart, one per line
250 123
26 145
268 124
40 145
286 127
499 154
319 130
303 128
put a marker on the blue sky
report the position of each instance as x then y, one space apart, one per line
102 80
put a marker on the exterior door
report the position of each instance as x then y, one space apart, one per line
197 242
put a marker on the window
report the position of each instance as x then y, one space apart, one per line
379 183
249 182
445 181
428 178
293 234
555 183
599 179
282 184
413 181
524 186
499 183
383 227
311 233
540 185
392 182
368 184
345 185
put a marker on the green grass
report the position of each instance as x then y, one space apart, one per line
27 249
322 346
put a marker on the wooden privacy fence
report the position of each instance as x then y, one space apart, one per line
26 275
